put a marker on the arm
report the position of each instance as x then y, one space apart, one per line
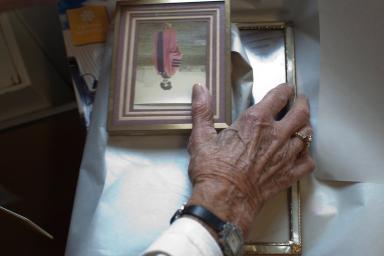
236 171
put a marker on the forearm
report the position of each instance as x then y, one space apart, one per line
186 236
225 201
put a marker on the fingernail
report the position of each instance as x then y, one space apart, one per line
200 86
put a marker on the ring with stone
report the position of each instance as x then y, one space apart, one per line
307 139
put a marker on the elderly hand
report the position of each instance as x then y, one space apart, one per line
235 171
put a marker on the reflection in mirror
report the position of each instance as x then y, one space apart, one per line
266 52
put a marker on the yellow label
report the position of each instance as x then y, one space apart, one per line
88 24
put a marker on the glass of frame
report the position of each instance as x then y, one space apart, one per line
161 49
270 49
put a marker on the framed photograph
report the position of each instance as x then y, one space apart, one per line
270 48
161 49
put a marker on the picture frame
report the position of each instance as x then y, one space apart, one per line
293 245
30 87
161 48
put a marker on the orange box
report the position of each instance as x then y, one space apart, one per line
88 24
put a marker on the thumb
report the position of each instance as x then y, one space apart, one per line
202 115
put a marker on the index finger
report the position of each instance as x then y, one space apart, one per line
202 116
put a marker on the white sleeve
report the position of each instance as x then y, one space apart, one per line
185 236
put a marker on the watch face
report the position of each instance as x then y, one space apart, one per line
233 239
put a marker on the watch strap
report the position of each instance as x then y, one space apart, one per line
202 214
230 237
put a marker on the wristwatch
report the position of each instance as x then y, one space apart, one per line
231 238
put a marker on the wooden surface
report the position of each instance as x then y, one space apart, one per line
39 165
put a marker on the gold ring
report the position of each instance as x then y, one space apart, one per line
307 139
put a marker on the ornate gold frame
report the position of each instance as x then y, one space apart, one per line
294 245
157 128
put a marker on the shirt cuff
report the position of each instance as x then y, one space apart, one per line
185 236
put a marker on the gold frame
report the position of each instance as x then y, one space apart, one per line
168 128
294 245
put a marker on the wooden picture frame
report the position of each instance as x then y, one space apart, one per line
161 49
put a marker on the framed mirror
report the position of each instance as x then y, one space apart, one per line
270 51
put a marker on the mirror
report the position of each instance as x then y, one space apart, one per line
270 51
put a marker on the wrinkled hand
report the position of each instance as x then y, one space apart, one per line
235 171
